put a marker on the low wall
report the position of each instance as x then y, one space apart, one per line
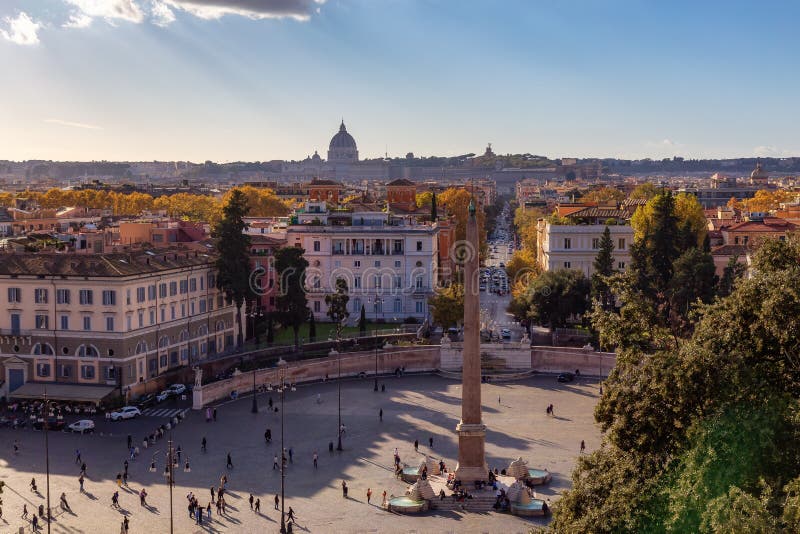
515 355
420 358
567 359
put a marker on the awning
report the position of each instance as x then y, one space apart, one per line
62 392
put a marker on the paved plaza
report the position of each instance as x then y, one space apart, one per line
414 407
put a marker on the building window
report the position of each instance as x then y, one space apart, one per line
87 372
87 323
14 294
139 294
397 264
64 370
398 282
567 243
111 372
43 348
567 265
151 292
65 322
183 288
162 290
62 296
377 263
378 281
418 282
621 265
43 369
418 306
356 305
40 295
356 282
595 243
173 288
378 306
316 246
129 322
398 306
42 322
109 324
172 312
128 297
202 305
192 284
87 351
109 297
621 243
152 317
419 246
86 297
317 283
357 263
316 306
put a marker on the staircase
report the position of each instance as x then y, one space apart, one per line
491 364
482 501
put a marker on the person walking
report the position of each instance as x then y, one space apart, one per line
119 480
143 498
251 501
277 501
290 516
208 512
416 445
344 489
230 462
115 500
215 415
80 481
369 494
213 492
125 466
179 451
33 486
130 441
24 511
35 523
316 456
16 447
380 414
430 442
125 524
203 444
384 502
291 456
583 446
77 456
258 505
275 462
83 468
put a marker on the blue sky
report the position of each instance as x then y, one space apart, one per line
271 79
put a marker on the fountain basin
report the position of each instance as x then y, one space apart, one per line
533 508
410 474
539 476
404 505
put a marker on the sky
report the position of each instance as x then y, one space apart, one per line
256 80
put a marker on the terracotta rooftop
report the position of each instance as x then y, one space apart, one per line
100 265
401 182
317 181
768 225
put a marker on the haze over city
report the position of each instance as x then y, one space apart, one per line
259 80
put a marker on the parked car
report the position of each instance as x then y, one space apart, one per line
566 377
128 412
164 395
82 426
506 333
145 401
52 424
178 389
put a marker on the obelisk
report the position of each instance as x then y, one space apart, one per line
471 430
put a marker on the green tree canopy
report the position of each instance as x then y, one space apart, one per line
447 306
291 303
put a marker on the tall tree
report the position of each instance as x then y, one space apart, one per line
447 306
733 271
337 306
555 296
362 321
434 209
233 256
312 327
603 268
291 303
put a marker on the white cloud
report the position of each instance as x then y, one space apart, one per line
21 30
161 14
73 124
664 143
78 20
110 10
255 9
766 151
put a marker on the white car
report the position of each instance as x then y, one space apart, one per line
128 412
164 395
178 389
82 426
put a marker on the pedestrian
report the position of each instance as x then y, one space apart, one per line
203 444
80 481
383 388
315 459
230 462
380 414
384 502
268 435
143 497
208 512
83 468
179 453
24 511
35 523
344 489
251 501
125 465
277 501
125 524
291 456
601 391
498 400
16 447
125 478
213 492
33 486
290 515
77 456
215 415
130 441
258 505
416 445
583 446
430 442
369 494
115 500
119 480
199 515
63 499
270 403
275 462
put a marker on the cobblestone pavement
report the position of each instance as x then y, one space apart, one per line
414 407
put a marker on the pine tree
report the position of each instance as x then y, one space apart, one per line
291 303
337 306
603 268
434 211
233 251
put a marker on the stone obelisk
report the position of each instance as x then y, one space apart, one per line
471 430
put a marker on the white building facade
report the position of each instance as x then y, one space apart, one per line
575 246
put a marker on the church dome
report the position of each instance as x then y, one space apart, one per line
759 173
342 139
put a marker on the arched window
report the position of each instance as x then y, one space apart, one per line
141 347
184 335
43 349
220 326
87 351
163 342
202 330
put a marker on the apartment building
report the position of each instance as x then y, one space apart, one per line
109 319
388 261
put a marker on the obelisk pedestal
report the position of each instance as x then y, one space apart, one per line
471 430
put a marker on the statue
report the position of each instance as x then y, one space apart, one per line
198 377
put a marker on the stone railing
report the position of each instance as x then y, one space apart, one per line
568 359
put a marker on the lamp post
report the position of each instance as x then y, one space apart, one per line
376 361
339 387
282 377
45 425
170 477
254 408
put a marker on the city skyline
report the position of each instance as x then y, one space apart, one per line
256 80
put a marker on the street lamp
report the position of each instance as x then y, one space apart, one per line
339 387
45 425
376 360
170 474
254 408
282 379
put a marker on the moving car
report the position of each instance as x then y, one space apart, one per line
82 426
128 412
178 389
52 424
164 395
566 377
145 401
506 333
